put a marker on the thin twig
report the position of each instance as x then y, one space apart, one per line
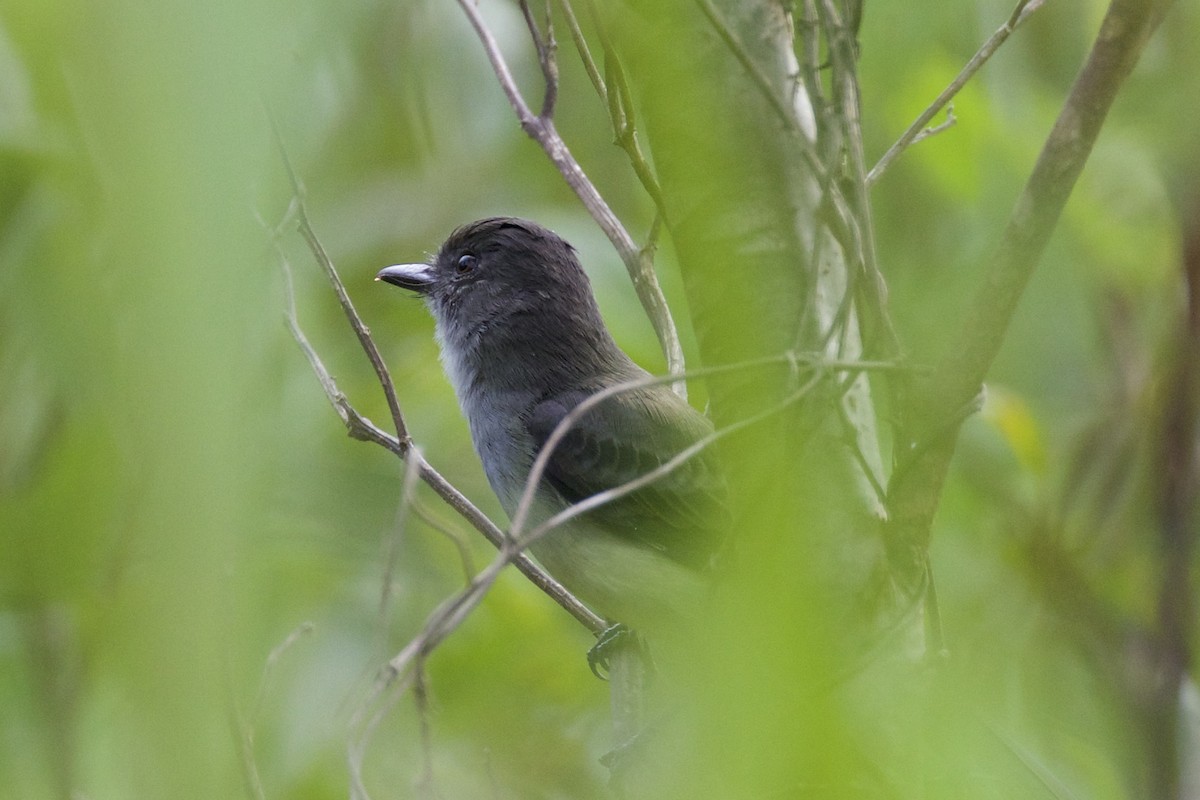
541 129
810 64
843 55
619 101
365 720
455 536
585 53
836 208
933 130
546 48
426 785
277 652
405 668
357 426
651 246
1022 12
801 101
360 330
443 620
246 725
408 488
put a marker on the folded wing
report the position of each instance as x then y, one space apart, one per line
680 513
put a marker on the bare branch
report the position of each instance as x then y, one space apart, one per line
426 785
1022 12
441 622
933 130
455 536
363 724
617 98
406 668
357 426
546 47
810 64
360 330
408 488
843 55
542 131
585 54
277 652
246 725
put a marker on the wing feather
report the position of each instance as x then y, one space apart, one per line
681 513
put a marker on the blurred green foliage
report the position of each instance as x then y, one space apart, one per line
177 497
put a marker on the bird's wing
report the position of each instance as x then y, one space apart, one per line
680 513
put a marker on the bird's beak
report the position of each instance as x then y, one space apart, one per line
414 277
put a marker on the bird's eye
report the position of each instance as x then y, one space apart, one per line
466 263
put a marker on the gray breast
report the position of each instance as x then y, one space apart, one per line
504 447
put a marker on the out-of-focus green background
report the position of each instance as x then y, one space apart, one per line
177 498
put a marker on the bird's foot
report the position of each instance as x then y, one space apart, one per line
609 641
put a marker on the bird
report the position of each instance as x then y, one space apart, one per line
523 343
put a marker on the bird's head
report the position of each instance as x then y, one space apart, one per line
502 277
